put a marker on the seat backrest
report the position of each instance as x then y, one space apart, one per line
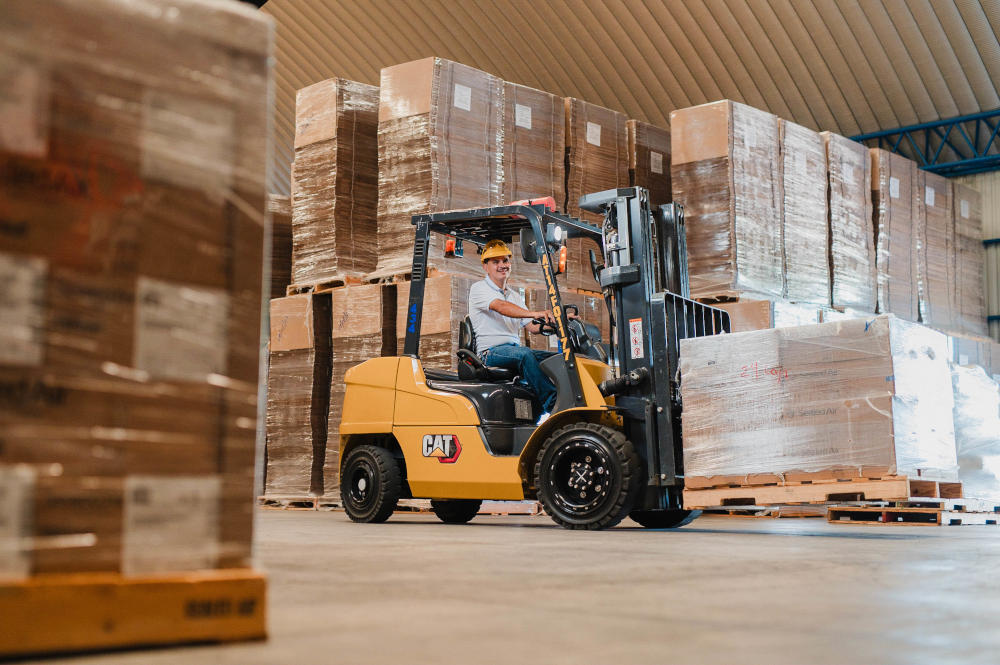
466 335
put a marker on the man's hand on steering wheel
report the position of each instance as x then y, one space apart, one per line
545 322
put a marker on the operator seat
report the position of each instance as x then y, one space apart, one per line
470 367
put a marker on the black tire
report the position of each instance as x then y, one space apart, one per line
370 484
664 519
456 511
587 476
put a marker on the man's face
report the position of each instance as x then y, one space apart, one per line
498 269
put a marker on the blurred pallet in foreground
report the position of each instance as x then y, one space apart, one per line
62 613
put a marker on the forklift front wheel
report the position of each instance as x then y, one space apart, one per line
456 511
587 476
664 519
370 484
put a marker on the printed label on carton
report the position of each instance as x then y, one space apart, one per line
17 487
656 162
594 134
171 523
463 97
22 309
894 187
24 107
635 337
929 195
522 116
965 209
181 330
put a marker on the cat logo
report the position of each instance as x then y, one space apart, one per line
445 447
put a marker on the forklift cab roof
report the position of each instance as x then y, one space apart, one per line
480 225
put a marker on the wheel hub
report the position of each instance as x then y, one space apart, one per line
582 477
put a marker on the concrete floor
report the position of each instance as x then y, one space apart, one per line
521 590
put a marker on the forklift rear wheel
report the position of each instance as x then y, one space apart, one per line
664 519
370 484
456 511
587 476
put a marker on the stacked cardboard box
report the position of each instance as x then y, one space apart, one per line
280 208
970 306
725 172
649 160
134 208
852 236
363 327
804 214
977 431
446 304
298 394
597 153
745 315
334 181
936 251
894 181
859 396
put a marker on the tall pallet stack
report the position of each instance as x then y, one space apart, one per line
894 182
649 160
970 303
133 195
280 208
936 251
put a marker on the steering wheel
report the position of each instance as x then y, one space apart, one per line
545 328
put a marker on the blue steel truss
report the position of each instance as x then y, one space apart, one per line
957 146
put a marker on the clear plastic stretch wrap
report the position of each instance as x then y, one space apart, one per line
893 186
280 208
134 141
446 303
298 394
970 301
852 236
334 181
746 315
972 351
863 395
725 172
649 160
597 143
936 284
364 327
804 214
440 147
977 432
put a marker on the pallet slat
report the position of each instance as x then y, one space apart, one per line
820 492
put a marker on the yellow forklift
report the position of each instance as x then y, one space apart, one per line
611 447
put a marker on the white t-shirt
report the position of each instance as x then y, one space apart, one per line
493 328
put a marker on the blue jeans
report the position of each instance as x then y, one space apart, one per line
525 362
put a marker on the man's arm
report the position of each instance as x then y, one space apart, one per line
517 312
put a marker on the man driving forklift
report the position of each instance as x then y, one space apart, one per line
497 313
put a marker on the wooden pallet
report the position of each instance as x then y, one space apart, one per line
907 516
323 286
772 512
298 502
404 505
97 611
826 491
395 277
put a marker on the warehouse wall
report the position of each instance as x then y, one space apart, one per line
988 185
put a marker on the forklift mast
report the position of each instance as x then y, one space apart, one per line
644 279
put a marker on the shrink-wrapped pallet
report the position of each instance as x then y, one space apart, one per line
970 304
597 147
936 253
965 350
363 327
280 208
860 396
440 147
132 189
977 431
334 181
649 160
804 214
725 171
446 303
852 236
894 181
298 394
745 315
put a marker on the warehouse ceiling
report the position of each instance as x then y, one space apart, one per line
849 66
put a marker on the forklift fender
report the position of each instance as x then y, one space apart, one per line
526 463
351 441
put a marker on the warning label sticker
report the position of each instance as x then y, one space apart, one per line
635 337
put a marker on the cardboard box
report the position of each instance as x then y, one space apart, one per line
894 182
298 394
725 171
936 254
746 315
334 181
970 257
852 235
649 160
804 214
280 208
845 395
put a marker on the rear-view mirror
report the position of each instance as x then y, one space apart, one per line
529 246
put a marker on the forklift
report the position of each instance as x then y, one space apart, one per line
611 447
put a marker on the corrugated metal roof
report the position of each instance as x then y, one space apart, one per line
850 66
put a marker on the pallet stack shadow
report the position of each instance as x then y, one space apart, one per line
131 301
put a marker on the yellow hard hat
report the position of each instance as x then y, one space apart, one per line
495 248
